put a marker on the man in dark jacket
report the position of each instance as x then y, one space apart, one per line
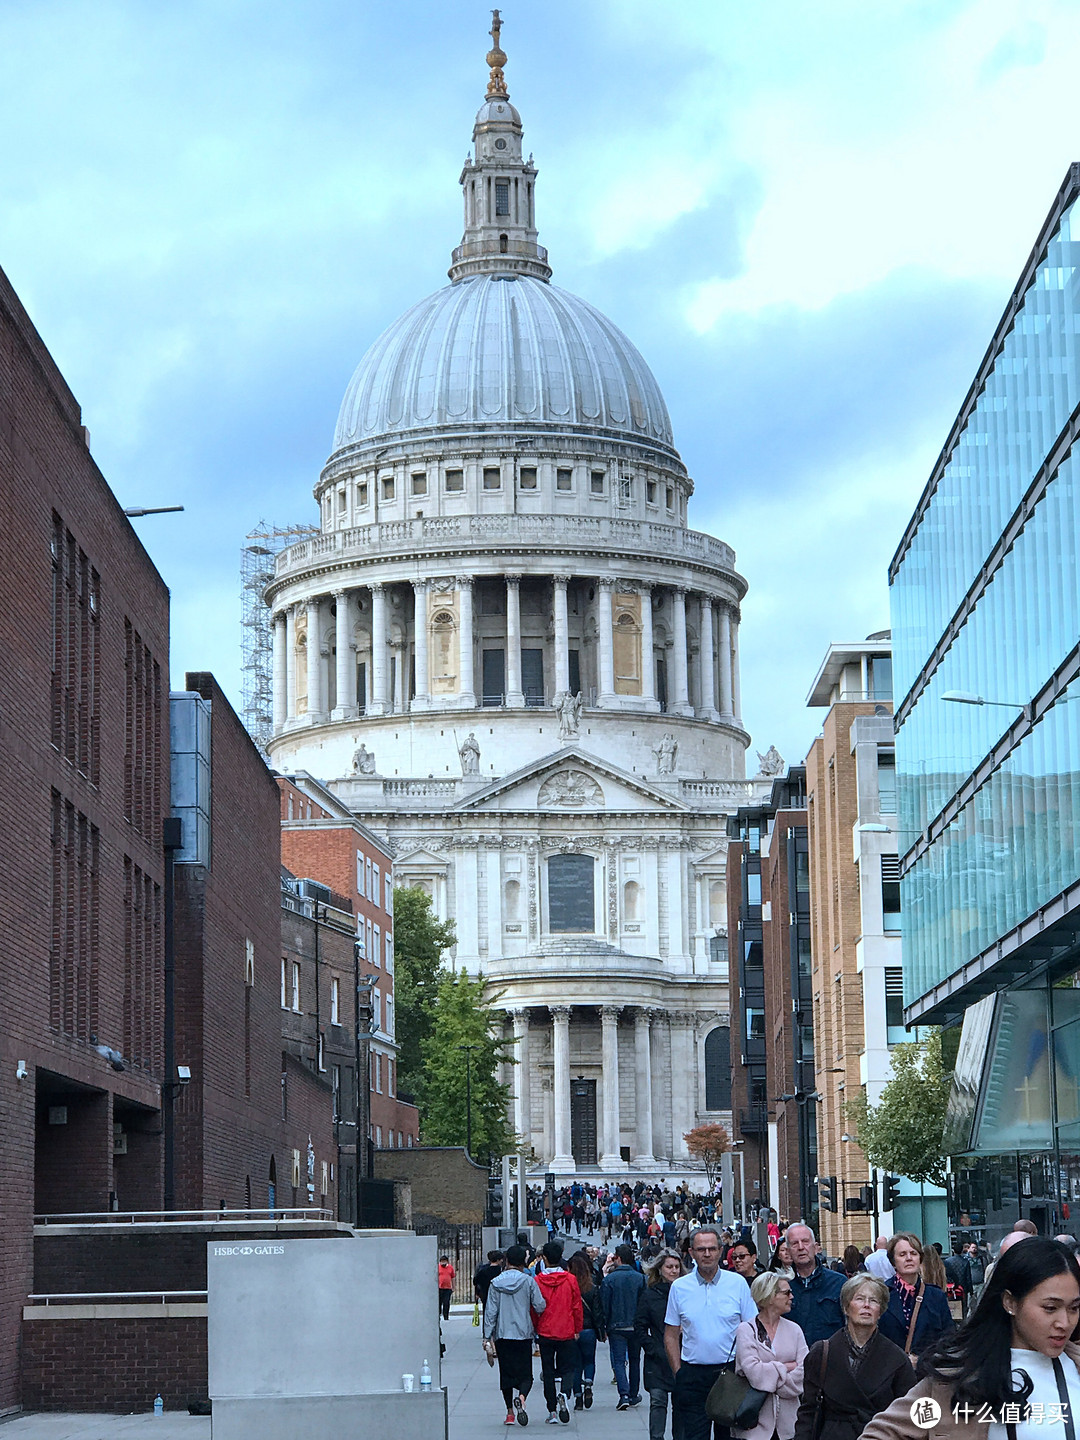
619 1296
815 1290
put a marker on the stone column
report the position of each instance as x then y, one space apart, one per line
466 680
515 696
562 634
290 663
606 697
281 661
610 1157
736 686
346 660
683 1081
708 670
315 703
679 701
648 655
726 712
522 1107
377 698
420 642
563 1159
643 1087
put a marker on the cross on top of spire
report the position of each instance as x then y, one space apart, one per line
496 58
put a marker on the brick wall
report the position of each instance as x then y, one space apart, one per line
113 1365
51 1008
446 1184
325 849
836 924
229 1119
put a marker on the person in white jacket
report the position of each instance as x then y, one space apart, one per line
769 1353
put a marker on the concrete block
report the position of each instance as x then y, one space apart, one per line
396 1416
329 1323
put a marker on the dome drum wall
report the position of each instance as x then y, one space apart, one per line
470 474
419 747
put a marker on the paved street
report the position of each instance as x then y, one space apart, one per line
475 1405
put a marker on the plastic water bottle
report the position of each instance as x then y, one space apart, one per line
159 1405
425 1377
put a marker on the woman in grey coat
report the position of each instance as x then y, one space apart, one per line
512 1299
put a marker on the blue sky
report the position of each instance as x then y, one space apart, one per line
807 217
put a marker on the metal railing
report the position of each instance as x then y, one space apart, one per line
157 1217
117 1297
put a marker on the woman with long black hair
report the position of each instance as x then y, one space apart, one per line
1012 1370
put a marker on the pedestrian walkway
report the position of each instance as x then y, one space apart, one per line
473 1397
476 1407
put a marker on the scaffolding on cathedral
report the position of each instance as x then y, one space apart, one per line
256 625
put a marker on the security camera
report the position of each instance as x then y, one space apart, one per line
21 1070
183 1074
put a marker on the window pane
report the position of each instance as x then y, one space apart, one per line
570 894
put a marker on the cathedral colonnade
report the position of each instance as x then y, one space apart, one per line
511 641
587 1103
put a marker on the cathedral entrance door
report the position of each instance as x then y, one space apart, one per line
583 1121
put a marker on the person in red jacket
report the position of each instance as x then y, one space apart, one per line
558 1329
446 1285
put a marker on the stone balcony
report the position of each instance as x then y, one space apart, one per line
454 535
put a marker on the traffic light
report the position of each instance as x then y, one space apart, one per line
890 1193
827 1192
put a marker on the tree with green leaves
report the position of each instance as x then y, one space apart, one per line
420 939
461 1056
904 1132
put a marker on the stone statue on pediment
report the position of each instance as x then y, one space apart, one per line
568 709
469 754
771 764
666 754
363 761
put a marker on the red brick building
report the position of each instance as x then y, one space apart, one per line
254 1126
323 842
84 753
774 1102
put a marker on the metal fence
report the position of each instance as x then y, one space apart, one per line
464 1244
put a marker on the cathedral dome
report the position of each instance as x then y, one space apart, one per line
498 350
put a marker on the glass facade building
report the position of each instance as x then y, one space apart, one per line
985 591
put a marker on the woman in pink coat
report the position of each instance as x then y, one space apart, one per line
769 1352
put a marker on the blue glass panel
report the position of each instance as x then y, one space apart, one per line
1025 623
1013 847
1034 387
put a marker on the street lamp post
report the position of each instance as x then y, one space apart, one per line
468 1097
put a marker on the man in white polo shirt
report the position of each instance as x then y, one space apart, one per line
704 1309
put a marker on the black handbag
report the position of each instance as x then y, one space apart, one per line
733 1401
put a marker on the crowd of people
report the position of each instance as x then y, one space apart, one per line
868 1345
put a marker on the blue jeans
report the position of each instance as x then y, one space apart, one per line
587 1347
626 1353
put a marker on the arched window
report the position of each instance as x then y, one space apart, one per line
718 1069
504 244
571 907
631 901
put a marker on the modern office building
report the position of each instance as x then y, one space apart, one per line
986 615
773 1107
508 654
